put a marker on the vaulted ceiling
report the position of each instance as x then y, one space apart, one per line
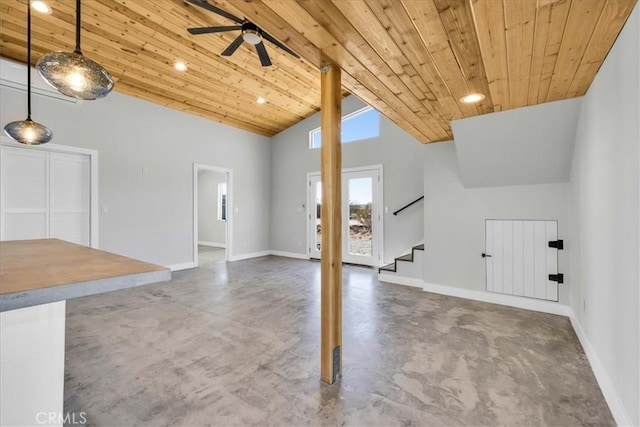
410 59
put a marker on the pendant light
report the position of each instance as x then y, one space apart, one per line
73 74
27 131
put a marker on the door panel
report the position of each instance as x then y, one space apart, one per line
70 180
361 216
45 194
520 258
315 209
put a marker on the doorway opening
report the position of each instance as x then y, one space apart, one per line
362 226
212 190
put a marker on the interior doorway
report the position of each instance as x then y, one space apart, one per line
362 226
212 189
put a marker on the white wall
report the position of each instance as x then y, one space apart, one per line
146 153
604 243
454 218
210 229
398 152
532 145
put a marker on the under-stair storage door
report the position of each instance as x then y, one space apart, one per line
519 258
24 198
70 191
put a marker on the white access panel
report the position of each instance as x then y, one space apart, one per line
519 259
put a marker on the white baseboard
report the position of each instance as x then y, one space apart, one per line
604 380
399 280
212 244
248 256
494 298
181 266
289 254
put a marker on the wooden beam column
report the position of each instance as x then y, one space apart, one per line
331 225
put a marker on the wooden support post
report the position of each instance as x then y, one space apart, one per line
331 225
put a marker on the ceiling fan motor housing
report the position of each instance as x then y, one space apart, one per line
251 33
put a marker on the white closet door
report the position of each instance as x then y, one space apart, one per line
70 192
45 194
519 259
25 198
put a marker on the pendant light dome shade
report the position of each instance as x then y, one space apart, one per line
28 132
73 74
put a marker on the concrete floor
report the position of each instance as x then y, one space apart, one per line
207 255
238 344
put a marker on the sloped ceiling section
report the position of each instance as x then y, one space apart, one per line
410 59
531 145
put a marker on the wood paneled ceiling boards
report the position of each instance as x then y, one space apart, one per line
413 60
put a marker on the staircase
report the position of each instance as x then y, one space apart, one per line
410 257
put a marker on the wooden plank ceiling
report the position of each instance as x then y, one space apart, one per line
410 59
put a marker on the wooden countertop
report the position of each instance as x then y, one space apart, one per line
27 266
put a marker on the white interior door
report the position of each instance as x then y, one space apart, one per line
362 216
519 259
45 194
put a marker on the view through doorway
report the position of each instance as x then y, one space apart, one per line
212 195
361 215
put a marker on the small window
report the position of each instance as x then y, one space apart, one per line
222 201
362 124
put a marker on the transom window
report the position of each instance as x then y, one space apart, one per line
359 125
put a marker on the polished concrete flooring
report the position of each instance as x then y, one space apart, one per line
238 344
208 254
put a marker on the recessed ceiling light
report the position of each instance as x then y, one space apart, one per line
472 98
180 66
261 100
40 6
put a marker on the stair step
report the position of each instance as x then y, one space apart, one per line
408 257
419 247
388 267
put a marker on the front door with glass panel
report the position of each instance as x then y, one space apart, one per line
361 216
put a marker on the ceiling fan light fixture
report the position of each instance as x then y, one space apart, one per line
42 7
472 98
251 36
73 74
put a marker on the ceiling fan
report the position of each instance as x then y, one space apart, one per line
250 33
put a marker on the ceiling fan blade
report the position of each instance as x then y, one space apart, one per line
280 45
262 53
203 4
233 46
209 30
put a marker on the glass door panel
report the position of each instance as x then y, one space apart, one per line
360 197
315 209
361 216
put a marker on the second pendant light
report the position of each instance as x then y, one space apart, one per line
73 74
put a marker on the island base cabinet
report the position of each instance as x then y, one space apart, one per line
32 365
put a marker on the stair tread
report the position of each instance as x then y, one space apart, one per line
388 267
419 247
408 257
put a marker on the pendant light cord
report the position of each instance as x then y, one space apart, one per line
78 28
28 61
